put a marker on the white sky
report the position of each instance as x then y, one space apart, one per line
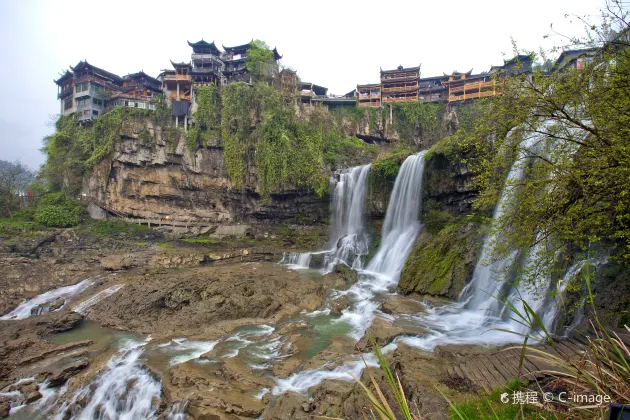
336 44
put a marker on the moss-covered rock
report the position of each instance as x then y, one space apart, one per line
441 264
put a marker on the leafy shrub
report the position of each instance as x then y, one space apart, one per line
57 210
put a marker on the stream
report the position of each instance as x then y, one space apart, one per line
128 385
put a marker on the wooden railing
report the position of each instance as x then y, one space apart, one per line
401 88
413 98
473 95
470 86
177 77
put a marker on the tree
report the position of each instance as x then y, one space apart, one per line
571 129
260 61
14 179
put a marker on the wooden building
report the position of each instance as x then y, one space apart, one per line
463 86
574 59
207 66
309 91
369 95
65 93
92 87
178 88
433 89
400 85
138 91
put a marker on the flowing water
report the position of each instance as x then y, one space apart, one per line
41 303
348 240
125 389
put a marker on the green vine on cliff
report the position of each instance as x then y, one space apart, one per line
417 119
207 117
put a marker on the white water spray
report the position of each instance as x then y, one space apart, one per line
38 304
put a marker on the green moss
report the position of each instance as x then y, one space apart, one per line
198 240
417 119
442 263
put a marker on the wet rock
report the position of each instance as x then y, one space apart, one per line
383 332
33 396
287 407
27 388
339 305
116 262
60 377
396 304
5 407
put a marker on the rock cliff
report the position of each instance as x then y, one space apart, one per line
160 178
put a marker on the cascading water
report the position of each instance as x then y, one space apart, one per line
399 232
125 390
42 303
401 224
348 237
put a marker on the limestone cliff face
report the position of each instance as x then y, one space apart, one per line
148 177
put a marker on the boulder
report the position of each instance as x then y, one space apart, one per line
383 332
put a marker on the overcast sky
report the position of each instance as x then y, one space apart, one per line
336 44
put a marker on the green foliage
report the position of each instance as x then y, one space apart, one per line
260 61
111 228
417 120
75 148
385 167
289 153
491 407
576 190
57 210
442 263
207 128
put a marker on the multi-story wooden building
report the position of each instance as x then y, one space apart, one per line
138 91
177 85
65 93
288 81
463 86
369 95
92 87
207 65
400 85
432 89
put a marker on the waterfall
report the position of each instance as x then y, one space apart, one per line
46 302
125 390
296 260
489 279
400 229
348 239
348 236
401 224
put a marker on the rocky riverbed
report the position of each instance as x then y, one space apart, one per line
215 329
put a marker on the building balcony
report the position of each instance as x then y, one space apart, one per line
411 88
473 86
410 98
65 92
473 95
177 77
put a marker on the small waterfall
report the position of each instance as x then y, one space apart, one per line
401 224
489 279
348 237
125 390
296 260
45 302
399 233
83 307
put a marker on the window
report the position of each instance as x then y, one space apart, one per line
94 112
81 87
67 104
